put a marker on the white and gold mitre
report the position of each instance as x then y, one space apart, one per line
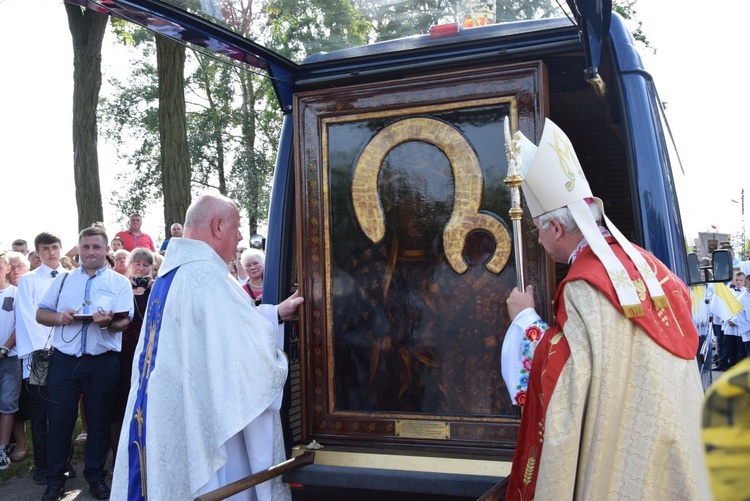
552 175
553 178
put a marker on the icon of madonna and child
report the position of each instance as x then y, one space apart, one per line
420 272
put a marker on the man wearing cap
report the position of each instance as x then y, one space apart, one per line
612 400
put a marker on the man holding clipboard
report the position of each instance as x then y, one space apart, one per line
87 309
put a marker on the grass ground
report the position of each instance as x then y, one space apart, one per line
25 467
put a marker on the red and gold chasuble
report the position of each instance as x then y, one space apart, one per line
671 327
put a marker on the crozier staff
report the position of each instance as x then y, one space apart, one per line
612 407
208 373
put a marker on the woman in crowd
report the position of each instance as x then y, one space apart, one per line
67 263
139 272
253 261
122 258
158 259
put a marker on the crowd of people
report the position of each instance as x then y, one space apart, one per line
63 315
70 327
730 327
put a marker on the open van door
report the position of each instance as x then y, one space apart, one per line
593 18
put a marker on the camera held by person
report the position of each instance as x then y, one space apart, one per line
140 282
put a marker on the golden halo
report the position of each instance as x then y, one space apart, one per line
467 198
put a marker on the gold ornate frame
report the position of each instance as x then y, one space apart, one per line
343 138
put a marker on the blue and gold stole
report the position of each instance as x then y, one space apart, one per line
146 361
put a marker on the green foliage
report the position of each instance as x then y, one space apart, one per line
626 8
299 29
392 21
228 141
130 120
517 10
210 120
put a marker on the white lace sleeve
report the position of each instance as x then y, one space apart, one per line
518 352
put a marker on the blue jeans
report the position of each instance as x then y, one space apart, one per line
95 377
10 384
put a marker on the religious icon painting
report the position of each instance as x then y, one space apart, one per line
404 249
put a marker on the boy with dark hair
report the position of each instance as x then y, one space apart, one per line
31 336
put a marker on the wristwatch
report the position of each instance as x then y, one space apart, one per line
3 351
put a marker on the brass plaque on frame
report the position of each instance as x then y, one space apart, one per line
435 430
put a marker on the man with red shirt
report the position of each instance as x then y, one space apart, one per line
133 237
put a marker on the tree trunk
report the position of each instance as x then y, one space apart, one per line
218 134
248 125
87 29
175 157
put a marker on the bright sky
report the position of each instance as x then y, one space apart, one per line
693 71
696 73
36 146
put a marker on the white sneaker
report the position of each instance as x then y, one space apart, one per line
4 459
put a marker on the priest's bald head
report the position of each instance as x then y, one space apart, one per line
215 220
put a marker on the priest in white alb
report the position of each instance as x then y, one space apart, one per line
207 376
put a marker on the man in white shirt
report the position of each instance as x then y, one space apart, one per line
87 309
31 336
